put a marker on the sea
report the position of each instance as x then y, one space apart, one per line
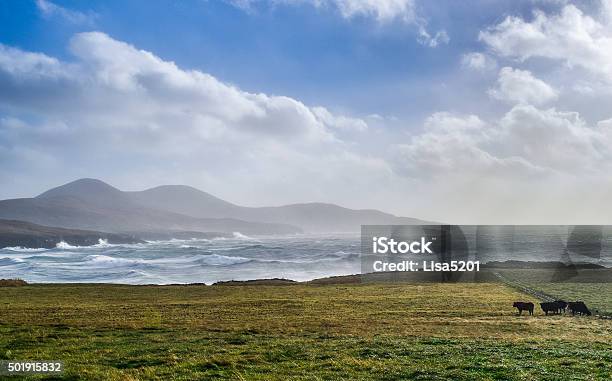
297 257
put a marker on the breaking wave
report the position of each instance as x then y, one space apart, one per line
20 249
10 261
238 235
237 256
65 246
222 260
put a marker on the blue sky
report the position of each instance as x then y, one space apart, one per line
302 51
456 111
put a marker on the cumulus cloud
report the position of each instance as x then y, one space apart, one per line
570 36
132 118
458 144
520 86
529 166
524 141
340 121
123 106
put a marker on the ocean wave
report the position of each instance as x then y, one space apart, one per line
103 243
175 241
100 260
23 249
65 246
5 261
244 247
103 260
235 236
238 235
343 254
189 247
222 260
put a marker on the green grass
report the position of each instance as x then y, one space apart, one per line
597 296
594 287
375 331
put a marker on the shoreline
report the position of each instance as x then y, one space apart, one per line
555 272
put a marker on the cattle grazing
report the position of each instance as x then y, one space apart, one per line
551 307
523 306
556 307
562 305
578 308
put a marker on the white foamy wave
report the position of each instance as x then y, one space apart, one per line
343 255
174 241
10 261
20 249
106 260
103 243
65 246
222 260
238 235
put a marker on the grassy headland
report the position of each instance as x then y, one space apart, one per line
307 332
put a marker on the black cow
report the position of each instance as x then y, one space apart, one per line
578 308
523 306
556 307
552 307
562 305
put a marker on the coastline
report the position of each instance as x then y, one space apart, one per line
556 272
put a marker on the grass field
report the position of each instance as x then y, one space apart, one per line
376 331
594 287
597 296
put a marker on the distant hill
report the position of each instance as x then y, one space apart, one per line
25 234
93 204
311 217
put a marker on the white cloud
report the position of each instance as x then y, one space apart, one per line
572 37
339 121
457 144
138 113
560 141
441 37
529 166
478 61
520 86
605 125
49 9
524 141
383 11
135 119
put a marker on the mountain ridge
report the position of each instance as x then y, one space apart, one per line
93 204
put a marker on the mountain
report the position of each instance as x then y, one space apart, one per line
25 234
94 205
311 217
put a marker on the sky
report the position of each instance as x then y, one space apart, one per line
478 111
